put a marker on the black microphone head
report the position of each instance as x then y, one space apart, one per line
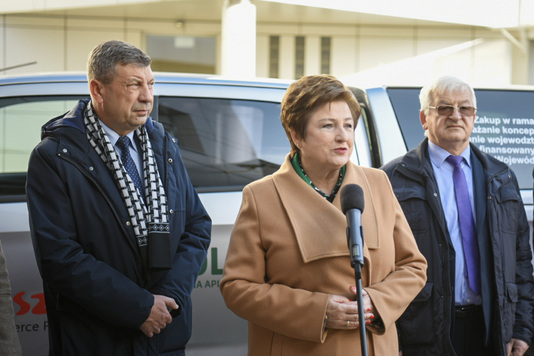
352 198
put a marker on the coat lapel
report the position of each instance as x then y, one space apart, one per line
320 226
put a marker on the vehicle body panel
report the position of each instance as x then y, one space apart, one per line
229 133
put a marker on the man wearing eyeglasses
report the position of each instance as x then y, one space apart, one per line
466 213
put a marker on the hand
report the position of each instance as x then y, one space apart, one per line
159 316
516 347
342 312
367 302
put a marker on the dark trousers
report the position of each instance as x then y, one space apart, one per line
469 332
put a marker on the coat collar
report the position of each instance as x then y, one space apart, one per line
320 226
417 162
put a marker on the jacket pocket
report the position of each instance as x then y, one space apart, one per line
509 203
413 202
176 335
417 325
508 312
509 257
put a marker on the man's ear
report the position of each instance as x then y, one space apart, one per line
422 117
96 89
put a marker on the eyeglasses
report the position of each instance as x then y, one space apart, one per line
448 110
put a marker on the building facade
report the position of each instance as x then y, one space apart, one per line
288 41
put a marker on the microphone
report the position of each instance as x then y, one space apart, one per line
352 204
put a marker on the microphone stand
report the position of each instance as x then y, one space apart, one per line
352 204
361 315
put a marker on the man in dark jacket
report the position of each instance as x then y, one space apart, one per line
469 222
119 232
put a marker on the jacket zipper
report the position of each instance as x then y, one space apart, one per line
110 203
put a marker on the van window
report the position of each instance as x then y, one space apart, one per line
504 127
20 131
20 122
225 143
405 102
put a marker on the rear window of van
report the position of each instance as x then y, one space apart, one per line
504 127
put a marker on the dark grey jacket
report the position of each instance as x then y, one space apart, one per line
503 238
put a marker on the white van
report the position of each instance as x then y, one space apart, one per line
230 134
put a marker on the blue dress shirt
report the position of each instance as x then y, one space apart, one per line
443 171
134 152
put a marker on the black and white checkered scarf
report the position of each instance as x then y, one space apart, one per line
146 217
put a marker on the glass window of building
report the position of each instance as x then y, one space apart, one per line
274 56
299 56
326 46
185 54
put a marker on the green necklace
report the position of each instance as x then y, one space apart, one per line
297 165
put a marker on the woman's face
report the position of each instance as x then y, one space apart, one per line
329 138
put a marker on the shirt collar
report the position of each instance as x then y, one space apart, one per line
438 155
113 136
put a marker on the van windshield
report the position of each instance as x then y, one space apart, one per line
504 127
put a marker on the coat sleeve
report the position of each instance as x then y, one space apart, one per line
293 312
523 328
65 267
395 292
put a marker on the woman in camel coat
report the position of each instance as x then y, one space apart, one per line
288 269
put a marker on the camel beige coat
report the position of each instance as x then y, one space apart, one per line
288 253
